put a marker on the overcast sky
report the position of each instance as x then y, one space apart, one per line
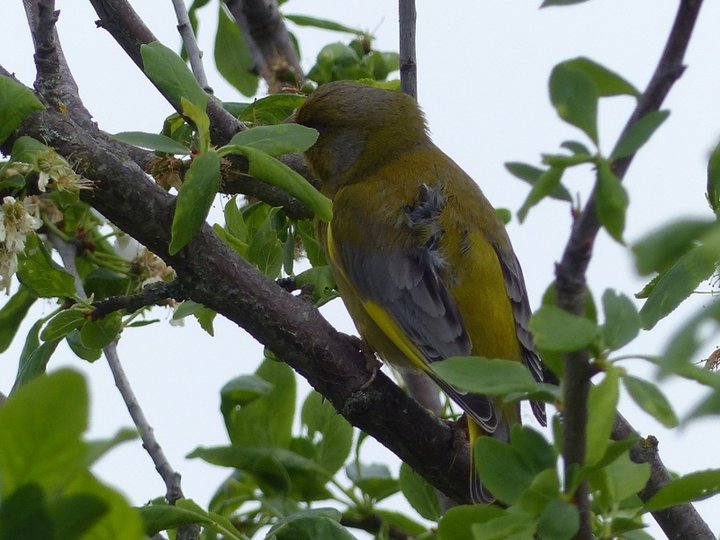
483 70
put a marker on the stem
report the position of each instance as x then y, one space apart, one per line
191 46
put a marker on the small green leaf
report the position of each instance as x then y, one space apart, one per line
39 273
457 522
559 521
12 315
277 140
491 377
660 249
168 71
304 20
602 405
75 344
531 174
680 280
232 55
204 315
272 109
336 434
97 449
98 334
548 3
201 120
650 399
274 172
713 180
608 83
62 324
575 97
576 147
375 480
611 201
691 487
622 322
197 193
638 134
557 330
502 468
547 183
242 391
151 141
421 495
310 523
17 102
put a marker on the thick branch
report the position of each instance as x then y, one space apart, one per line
570 272
291 327
270 43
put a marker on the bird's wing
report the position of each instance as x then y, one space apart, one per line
515 287
403 292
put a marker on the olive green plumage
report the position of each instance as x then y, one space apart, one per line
421 259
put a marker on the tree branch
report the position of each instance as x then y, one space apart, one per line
151 295
269 42
408 60
191 45
570 272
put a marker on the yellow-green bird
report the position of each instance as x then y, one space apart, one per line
422 262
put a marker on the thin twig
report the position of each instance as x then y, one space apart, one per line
570 272
151 295
408 60
68 254
190 43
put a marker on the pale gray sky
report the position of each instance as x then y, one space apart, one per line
483 70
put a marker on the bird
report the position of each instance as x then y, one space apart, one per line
421 259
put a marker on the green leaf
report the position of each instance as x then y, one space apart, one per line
242 391
26 149
602 406
421 495
611 201
555 329
608 83
336 434
622 322
537 452
457 522
547 183
517 526
204 315
304 20
272 109
559 521
62 324
160 516
168 71
309 524
401 521
266 250
201 120
36 447
34 357
39 273
152 141
97 449
679 281
650 399
531 174
375 480
98 334
638 134
272 171
75 344
234 220
314 251
197 193
502 468
575 97
267 420
485 376
548 3
12 315
74 515
691 487
662 248
713 180
17 102
232 55
24 515
544 488
277 140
